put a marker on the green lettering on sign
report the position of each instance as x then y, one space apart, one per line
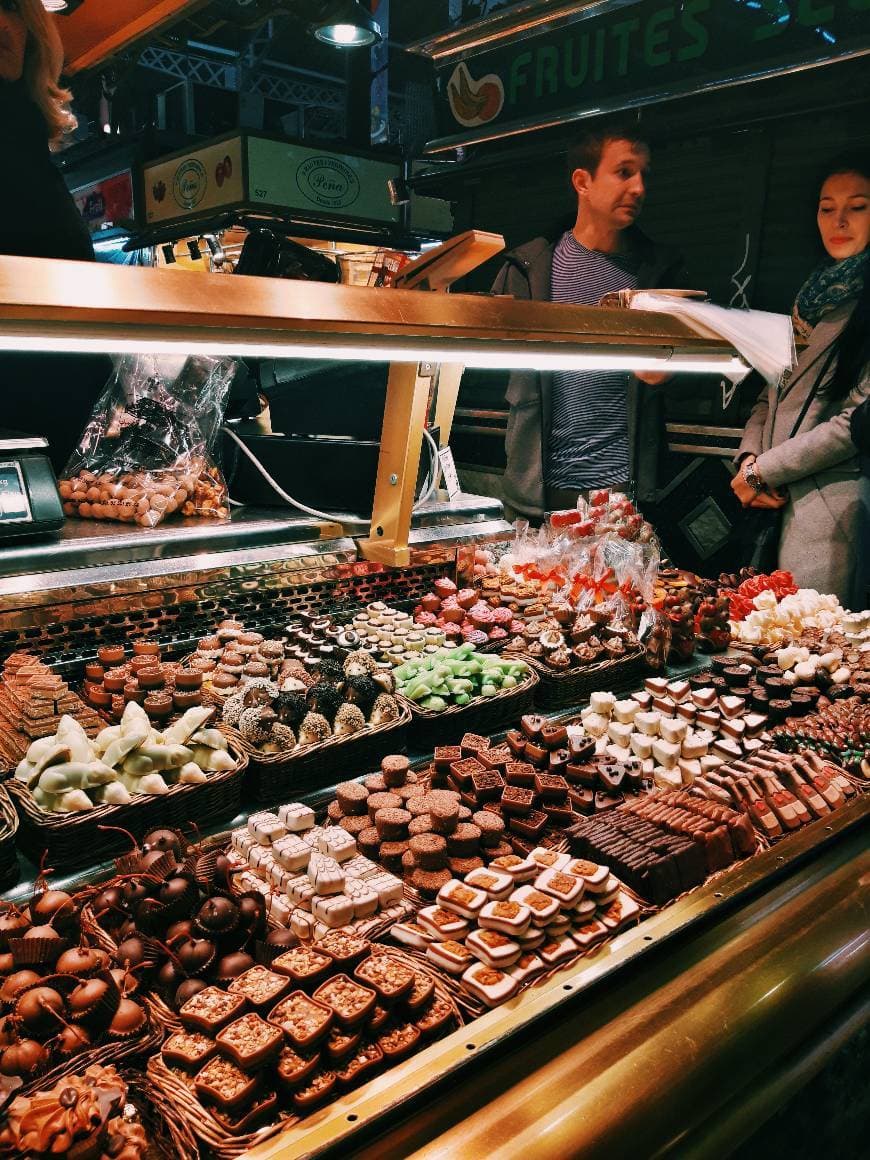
621 33
694 29
546 70
655 36
518 76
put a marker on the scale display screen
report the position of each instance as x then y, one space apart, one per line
14 503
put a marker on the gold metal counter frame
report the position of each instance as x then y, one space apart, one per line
728 989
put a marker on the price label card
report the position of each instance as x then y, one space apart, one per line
14 504
448 469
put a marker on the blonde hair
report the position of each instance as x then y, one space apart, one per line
43 65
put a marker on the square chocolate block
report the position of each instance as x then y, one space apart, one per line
515 799
488 785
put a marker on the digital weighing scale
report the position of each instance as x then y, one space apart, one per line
29 500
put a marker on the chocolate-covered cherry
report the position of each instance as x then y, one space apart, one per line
72 1039
181 929
282 937
15 983
108 907
7 963
52 904
163 840
252 913
153 863
217 915
176 890
40 1009
233 965
82 961
187 990
84 998
8 1031
125 980
134 891
195 954
24 1059
13 924
127 1020
131 952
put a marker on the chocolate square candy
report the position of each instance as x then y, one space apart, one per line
530 826
520 773
516 799
293 1069
304 1020
488 785
261 987
349 1000
250 1042
240 1123
551 787
362 1064
210 1010
188 1050
516 742
223 1083
445 755
462 772
472 743
581 773
390 978
304 965
495 758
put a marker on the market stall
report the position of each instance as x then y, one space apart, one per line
362 838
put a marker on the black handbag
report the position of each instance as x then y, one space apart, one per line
761 528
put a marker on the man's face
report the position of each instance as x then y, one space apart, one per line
13 40
615 193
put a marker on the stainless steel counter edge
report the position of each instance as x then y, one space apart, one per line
362 1111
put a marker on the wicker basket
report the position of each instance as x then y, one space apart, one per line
107 1053
272 776
183 1114
8 830
74 840
481 715
565 689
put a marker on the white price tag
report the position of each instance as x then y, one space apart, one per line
448 468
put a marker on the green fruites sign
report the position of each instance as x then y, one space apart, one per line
636 52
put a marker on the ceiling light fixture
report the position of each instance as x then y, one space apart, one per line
347 24
61 7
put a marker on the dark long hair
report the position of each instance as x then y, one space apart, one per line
853 344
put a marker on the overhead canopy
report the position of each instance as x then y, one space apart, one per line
100 29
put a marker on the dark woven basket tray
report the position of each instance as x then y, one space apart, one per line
482 715
8 852
74 840
271 777
558 690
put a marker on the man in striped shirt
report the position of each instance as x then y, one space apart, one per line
573 431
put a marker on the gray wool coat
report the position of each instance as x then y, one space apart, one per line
818 466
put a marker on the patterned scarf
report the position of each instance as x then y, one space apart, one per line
829 285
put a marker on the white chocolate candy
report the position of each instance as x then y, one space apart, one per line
544 907
558 927
266 827
595 724
312 837
388 888
667 778
546 859
243 841
731 706
665 753
626 711
335 909
755 724
280 908
527 966
591 873
497 885
364 899
619 733
673 729
565 888
679 691
711 762
461 899
260 859
453 957
279 877
665 706
641 745
361 867
643 698
584 910
291 853
689 770
520 869
600 890
620 912
337 843
533 938
687 712
490 984
657 686
694 746
493 948
558 950
302 923
300 891
411 934
617 753
704 698
442 924
602 703
325 874
589 933
507 916
648 723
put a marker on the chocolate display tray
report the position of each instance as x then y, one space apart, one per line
70 840
481 715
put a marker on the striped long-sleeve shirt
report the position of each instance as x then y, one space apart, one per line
588 445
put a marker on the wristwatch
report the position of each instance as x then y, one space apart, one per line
750 474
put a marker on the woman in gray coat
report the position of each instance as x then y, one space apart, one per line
797 452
